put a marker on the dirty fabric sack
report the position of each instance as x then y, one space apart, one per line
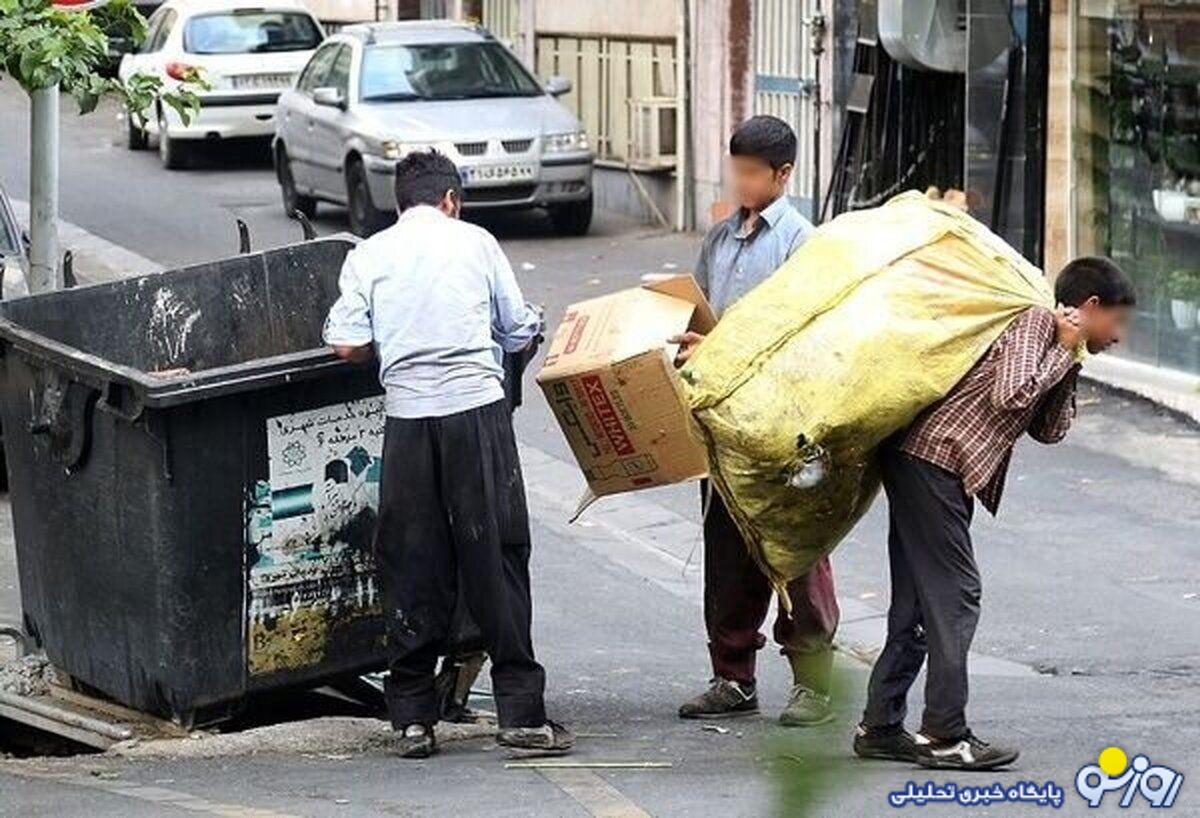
877 316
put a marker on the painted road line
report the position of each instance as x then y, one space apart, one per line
593 793
160 796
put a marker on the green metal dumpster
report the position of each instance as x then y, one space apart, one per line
194 482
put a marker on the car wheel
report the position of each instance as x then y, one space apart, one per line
173 153
136 138
293 200
365 218
574 218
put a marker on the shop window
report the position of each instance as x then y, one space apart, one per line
1136 146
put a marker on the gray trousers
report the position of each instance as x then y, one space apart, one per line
935 597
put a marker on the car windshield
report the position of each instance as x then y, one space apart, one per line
443 71
250 31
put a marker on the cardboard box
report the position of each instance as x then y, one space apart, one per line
610 378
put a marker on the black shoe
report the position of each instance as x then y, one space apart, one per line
965 753
416 741
887 743
723 699
551 739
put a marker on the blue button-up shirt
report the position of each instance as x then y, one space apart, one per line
733 262
439 300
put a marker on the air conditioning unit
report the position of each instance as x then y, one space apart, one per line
932 34
652 133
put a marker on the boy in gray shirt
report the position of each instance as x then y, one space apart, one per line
738 254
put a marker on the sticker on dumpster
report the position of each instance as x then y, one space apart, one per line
311 577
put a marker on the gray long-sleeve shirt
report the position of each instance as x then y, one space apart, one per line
440 302
733 262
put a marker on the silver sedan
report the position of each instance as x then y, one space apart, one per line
373 93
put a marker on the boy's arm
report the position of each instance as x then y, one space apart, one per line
514 322
688 341
806 230
1031 361
1056 411
702 264
348 325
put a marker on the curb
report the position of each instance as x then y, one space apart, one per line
96 259
1176 392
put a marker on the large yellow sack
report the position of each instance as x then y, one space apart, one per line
873 319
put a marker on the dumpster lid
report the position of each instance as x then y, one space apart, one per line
232 325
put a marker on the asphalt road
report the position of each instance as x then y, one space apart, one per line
1089 634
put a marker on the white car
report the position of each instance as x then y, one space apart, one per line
247 54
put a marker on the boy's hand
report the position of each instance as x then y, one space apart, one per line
1070 330
688 342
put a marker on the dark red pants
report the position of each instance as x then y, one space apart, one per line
737 597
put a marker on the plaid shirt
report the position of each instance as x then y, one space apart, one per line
1025 382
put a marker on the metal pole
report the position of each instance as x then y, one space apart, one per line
44 272
683 63
817 32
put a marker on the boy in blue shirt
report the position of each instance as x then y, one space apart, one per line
738 254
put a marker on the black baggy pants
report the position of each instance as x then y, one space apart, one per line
453 521
935 597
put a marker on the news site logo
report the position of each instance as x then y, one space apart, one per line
1114 772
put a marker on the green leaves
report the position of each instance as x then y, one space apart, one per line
141 91
41 45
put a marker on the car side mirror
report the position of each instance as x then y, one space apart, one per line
329 96
557 86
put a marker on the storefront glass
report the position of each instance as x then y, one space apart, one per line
998 128
1136 141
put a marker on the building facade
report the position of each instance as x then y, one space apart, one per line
660 85
1125 140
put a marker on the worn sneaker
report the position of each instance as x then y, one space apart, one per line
887 743
416 741
965 753
806 708
551 739
723 699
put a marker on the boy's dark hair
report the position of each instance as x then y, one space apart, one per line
423 177
1093 275
768 138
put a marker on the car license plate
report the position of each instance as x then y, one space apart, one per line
261 81
497 174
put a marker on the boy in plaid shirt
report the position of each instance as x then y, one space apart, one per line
956 450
